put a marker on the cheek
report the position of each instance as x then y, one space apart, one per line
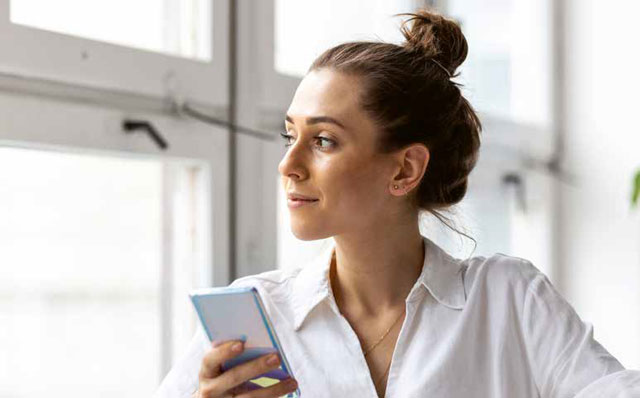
352 184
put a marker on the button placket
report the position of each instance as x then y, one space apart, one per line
399 349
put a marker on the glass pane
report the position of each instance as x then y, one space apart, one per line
175 27
83 306
299 38
507 71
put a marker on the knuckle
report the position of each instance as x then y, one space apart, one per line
240 374
206 391
206 364
267 364
205 360
208 358
234 378
202 375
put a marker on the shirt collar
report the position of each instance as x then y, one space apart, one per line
441 275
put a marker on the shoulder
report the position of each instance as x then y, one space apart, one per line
500 274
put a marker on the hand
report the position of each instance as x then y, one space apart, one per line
213 383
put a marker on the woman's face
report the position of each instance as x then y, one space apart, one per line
332 158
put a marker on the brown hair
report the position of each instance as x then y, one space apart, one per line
408 92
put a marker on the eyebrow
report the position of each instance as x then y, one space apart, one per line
317 119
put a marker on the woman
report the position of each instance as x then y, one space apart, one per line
376 134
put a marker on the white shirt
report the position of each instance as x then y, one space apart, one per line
480 327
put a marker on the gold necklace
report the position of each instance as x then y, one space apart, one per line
377 382
368 350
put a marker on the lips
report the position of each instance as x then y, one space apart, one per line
300 197
293 203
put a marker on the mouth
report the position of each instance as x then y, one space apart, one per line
295 203
299 196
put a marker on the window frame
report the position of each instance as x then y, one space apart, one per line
77 126
107 66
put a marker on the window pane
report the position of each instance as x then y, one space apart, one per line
507 71
82 303
304 29
175 27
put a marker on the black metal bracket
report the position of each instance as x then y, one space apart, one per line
516 180
131 126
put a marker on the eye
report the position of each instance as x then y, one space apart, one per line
322 140
287 137
330 142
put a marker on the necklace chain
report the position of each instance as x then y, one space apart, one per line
368 350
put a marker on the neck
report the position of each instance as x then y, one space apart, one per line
372 274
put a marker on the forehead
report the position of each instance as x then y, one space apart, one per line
327 93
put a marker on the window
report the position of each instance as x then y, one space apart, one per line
102 233
102 236
180 28
508 68
84 304
299 38
161 48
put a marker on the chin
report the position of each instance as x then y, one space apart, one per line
309 232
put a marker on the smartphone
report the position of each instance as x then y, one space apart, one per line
238 313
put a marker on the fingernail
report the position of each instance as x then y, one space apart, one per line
237 347
272 360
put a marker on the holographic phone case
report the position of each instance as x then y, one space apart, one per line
238 313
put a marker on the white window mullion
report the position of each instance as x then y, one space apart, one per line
166 272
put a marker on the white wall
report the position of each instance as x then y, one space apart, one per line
600 259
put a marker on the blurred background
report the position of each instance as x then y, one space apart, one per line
122 186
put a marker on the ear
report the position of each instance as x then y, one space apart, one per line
412 164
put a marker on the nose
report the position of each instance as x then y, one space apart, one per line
292 164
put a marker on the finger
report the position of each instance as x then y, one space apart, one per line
246 371
277 390
244 387
216 356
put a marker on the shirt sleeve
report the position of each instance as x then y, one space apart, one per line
622 384
564 356
182 379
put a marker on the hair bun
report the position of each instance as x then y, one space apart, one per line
436 37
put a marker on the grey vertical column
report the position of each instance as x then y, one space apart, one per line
558 125
232 116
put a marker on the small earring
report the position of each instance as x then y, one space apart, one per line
395 187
